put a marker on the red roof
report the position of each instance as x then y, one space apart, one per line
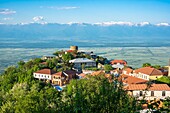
68 72
44 63
82 75
118 61
46 71
153 87
101 72
131 80
128 70
149 71
96 73
70 51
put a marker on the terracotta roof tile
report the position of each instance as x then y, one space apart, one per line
96 73
149 71
70 51
82 75
129 70
118 61
58 74
46 71
153 87
131 80
68 72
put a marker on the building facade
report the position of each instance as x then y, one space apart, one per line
155 91
63 78
44 74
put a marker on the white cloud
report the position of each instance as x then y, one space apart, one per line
7 11
66 8
38 18
60 8
7 18
163 24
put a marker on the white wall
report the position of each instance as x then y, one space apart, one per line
42 76
157 94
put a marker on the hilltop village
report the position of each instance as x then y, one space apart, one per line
63 66
76 81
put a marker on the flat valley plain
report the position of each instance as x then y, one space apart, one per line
135 56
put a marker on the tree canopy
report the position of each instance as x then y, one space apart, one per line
107 67
146 65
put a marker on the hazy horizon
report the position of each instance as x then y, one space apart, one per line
47 24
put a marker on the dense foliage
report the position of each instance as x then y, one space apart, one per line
98 95
164 79
20 92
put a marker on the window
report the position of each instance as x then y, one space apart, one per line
163 93
140 94
152 93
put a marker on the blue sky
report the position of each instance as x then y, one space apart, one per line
89 11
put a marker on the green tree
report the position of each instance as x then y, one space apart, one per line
67 57
164 79
37 60
107 67
97 95
156 66
146 65
21 63
50 64
56 53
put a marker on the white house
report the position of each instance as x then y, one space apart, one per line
44 74
155 91
118 64
146 73
46 57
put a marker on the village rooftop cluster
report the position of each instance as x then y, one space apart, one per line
75 64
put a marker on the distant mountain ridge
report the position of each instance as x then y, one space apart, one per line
85 34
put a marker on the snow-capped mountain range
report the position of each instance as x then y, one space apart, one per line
105 33
111 23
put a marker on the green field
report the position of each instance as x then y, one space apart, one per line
135 56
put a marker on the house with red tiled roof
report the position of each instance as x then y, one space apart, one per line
147 73
154 91
127 80
102 72
44 74
118 63
63 77
128 71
